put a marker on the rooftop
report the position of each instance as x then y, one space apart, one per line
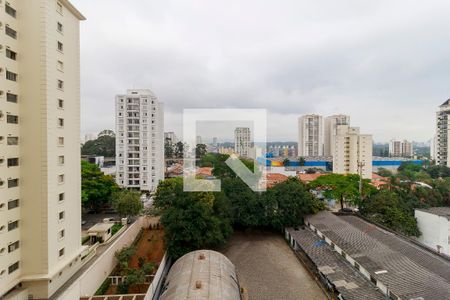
439 211
409 271
100 227
350 283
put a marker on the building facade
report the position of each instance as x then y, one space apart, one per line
434 224
40 211
310 135
330 131
400 148
352 152
242 141
139 140
442 134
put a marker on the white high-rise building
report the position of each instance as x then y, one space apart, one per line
330 131
442 137
400 148
352 152
40 205
242 141
310 136
433 151
139 140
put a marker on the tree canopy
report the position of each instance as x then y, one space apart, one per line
96 187
127 203
104 145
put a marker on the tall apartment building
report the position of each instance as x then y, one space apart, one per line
242 141
400 148
139 140
330 131
442 134
40 211
352 152
310 136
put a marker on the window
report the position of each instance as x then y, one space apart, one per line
11 75
13 162
60 46
60 84
61 178
10 11
61 234
11 97
60 27
11 54
13 267
12 119
13 204
61 141
60 103
13 225
61 252
13 247
61 197
60 122
61 159
59 7
13 183
61 215
11 32
60 66
12 141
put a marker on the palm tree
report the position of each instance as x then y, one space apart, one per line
286 162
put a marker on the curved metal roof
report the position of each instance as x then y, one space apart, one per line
202 275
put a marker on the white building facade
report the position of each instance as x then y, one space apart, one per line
242 141
40 205
400 148
330 131
434 224
442 136
352 152
310 136
139 140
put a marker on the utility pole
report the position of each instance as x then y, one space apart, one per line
361 164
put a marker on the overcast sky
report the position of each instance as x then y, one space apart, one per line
386 63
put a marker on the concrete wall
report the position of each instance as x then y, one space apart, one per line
435 231
88 283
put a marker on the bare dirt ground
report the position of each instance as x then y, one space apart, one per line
268 268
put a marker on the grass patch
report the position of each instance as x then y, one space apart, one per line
104 287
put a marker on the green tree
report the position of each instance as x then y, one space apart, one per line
179 150
96 188
344 188
384 208
384 172
127 203
200 151
169 149
104 145
286 162
287 202
123 257
189 218
301 161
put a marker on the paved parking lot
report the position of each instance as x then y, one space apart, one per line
268 268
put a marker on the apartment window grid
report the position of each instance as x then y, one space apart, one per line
13 204
12 141
13 246
14 267
10 11
10 32
60 46
60 27
11 97
13 225
13 162
11 54
12 183
12 119
11 76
